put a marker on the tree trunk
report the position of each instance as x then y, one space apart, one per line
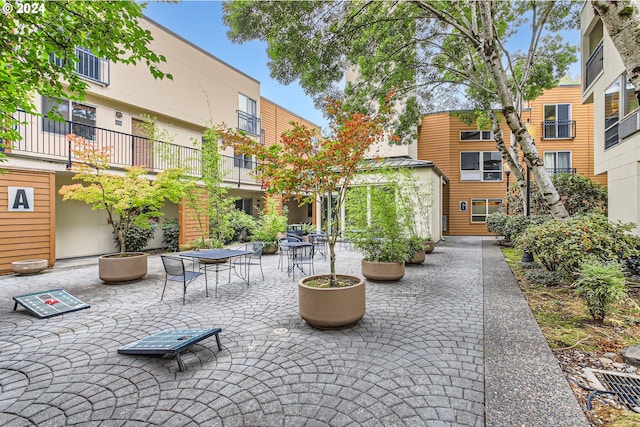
510 157
489 51
621 19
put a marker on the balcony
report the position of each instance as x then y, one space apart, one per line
248 123
44 139
556 171
558 129
89 66
593 66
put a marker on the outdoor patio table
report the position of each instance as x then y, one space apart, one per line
214 255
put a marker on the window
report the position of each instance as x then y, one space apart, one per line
480 208
557 161
248 114
611 114
476 135
481 166
82 121
87 65
630 102
241 161
245 205
557 121
619 102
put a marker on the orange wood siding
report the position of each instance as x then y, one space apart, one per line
439 142
276 120
189 225
27 235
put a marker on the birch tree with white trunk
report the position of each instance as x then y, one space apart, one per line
438 55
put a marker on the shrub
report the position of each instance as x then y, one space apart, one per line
171 234
577 192
271 223
541 276
496 223
601 286
563 245
135 238
631 267
243 225
515 226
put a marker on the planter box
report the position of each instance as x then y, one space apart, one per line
29 266
330 308
383 271
116 269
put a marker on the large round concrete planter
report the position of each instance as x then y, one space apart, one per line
29 266
330 308
119 269
428 245
418 258
382 271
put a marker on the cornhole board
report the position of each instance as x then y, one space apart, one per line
170 343
53 302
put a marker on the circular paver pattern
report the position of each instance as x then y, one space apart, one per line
416 358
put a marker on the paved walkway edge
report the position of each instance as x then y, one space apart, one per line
524 385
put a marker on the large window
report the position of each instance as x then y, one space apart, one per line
77 118
481 166
480 208
248 114
619 102
557 121
557 161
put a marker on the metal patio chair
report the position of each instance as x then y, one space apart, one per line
175 271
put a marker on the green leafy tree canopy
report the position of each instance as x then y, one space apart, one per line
29 41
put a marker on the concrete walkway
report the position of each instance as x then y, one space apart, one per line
452 343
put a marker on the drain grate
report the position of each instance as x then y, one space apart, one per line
625 386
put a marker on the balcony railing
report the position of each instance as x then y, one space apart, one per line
593 66
559 129
248 123
89 66
45 139
555 171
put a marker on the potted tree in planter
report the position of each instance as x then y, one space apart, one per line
381 231
129 199
311 169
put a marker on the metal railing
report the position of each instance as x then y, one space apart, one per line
558 129
248 123
89 66
594 65
555 171
45 139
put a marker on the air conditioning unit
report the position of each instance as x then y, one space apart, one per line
629 125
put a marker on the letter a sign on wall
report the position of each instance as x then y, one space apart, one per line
20 199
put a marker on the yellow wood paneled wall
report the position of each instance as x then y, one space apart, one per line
27 235
439 142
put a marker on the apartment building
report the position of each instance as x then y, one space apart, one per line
616 118
562 127
36 223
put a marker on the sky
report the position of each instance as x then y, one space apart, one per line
200 22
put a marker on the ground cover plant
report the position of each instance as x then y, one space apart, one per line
574 337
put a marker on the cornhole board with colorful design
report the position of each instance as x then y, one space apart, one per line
170 343
53 302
